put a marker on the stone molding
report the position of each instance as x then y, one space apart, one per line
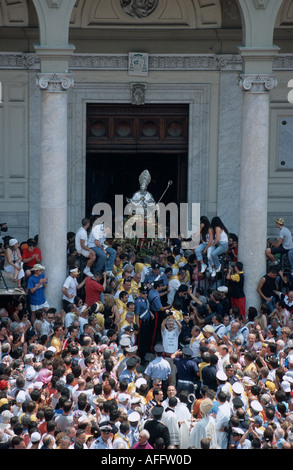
257 83
157 62
55 82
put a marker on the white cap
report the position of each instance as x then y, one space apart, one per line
36 436
237 388
140 381
134 417
256 406
221 375
238 431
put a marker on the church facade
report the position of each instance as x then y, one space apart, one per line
95 91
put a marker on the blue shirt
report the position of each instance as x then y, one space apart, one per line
142 306
37 297
100 444
155 300
161 276
186 369
158 368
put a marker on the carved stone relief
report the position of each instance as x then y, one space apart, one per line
139 8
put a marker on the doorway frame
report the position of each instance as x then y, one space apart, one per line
197 96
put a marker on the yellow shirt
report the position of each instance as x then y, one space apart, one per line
117 269
101 320
121 306
135 287
57 343
139 267
250 368
201 365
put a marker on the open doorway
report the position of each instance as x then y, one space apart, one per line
112 174
124 140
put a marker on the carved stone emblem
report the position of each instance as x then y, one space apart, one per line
138 93
139 8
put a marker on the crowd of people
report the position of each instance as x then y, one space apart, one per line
159 352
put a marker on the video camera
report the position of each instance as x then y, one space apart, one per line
3 227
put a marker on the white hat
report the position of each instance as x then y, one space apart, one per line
238 431
131 349
125 341
223 289
256 406
286 386
37 267
208 328
122 397
36 437
237 388
74 271
106 427
221 375
12 241
247 381
140 381
134 417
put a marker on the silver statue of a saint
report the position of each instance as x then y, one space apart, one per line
143 199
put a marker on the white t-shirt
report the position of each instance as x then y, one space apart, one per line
170 340
70 284
99 234
81 234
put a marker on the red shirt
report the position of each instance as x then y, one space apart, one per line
28 254
93 290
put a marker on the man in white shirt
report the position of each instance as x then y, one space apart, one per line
81 241
170 330
70 287
174 284
284 243
170 333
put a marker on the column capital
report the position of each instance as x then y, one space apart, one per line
54 82
257 83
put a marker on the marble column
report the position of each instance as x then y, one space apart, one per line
254 180
53 181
